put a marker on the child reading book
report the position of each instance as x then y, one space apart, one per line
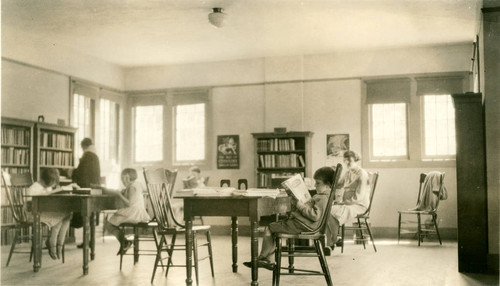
58 222
133 210
305 217
194 180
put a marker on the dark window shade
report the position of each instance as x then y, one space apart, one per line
388 91
439 85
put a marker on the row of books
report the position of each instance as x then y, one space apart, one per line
11 156
56 158
55 140
16 170
276 144
281 161
15 136
274 179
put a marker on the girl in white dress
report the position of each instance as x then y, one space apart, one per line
132 200
58 222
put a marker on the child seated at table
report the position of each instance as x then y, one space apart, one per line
194 180
305 217
58 222
133 210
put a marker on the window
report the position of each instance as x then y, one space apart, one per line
148 133
83 119
109 127
189 132
410 122
388 130
439 126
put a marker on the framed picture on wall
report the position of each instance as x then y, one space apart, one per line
228 152
336 145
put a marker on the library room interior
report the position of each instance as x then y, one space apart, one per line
231 142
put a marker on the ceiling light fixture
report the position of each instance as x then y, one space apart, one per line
217 17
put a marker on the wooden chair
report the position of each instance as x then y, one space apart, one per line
144 231
15 186
317 235
226 183
362 220
427 230
242 184
159 190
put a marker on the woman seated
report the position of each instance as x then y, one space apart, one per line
356 198
58 222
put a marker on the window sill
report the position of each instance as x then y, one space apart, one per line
410 164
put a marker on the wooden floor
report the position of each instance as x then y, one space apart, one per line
404 264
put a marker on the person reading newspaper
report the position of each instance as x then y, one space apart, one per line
305 216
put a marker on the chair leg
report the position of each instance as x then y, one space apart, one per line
277 267
195 257
322 261
361 235
342 239
14 241
63 253
291 257
399 227
370 233
122 239
170 251
136 245
209 240
418 229
434 218
158 256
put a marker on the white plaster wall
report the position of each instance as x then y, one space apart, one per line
22 47
29 92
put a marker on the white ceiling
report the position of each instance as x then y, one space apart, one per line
157 32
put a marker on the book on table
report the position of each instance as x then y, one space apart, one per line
298 188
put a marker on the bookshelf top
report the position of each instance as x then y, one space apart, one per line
17 122
55 127
291 134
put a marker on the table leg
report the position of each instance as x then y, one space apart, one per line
92 235
37 237
254 250
189 251
86 237
234 240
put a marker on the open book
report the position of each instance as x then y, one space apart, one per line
298 188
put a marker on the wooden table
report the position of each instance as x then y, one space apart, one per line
233 206
88 205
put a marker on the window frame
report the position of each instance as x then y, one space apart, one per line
186 97
415 129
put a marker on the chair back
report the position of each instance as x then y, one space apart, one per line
159 189
16 186
373 184
242 184
205 180
171 177
227 183
421 184
322 226
430 203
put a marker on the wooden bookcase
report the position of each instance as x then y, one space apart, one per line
17 158
54 148
278 156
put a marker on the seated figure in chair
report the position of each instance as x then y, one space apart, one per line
194 180
57 221
356 197
304 217
133 209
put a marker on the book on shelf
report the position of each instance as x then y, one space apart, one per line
298 188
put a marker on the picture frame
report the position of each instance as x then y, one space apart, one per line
228 152
336 146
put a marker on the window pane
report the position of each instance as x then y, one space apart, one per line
148 133
109 130
190 132
439 126
389 130
82 119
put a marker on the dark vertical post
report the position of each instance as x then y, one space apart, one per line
234 240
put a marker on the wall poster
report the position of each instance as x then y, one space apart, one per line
228 152
336 145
